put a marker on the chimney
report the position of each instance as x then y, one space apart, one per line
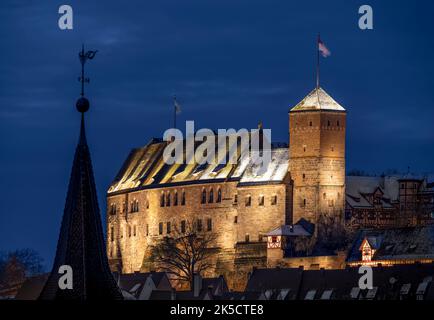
197 285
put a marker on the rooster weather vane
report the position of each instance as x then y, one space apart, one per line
83 57
82 103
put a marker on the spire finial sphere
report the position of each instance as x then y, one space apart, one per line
82 105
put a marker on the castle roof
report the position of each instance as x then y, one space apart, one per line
145 168
318 99
81 242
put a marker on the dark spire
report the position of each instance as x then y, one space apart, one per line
81 242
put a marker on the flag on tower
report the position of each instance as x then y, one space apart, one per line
323 49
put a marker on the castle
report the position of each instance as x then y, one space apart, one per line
149 197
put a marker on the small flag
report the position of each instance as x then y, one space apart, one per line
323 49
177 106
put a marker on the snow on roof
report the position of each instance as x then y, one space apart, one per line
318 99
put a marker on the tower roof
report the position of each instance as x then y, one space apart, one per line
81 241
318 99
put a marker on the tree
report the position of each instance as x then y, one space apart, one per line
184 254
332 234
20 263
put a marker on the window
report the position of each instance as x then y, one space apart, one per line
168 199
135 230
113 208
203 200
183 226
135 205
304 202
337 123
219 195
160 228
235 199
199 225
209 224
168 227
122 233
261 200
304 148
211 196
328 123
304 176
331 203
333 148
175 198
124 207
129 231
162 199
324 196
147 229
112 234
247 237
236 219
147 203
273 200
183 198
248 201
310 123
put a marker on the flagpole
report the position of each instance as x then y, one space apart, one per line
174 112
317 61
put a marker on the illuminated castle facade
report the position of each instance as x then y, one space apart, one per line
148 198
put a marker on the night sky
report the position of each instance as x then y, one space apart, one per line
230 63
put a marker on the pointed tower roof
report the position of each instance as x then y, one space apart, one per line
81 242
318 99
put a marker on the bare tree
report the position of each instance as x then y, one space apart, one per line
184 254
332 233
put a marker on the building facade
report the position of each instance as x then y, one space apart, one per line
236 202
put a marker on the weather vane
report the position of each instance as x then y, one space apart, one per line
83 57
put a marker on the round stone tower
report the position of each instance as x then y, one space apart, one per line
317 156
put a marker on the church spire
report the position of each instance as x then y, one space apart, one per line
81 242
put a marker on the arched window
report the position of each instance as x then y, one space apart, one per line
183 198
219 195
162 199
168 199
203 200
175 198
211 196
